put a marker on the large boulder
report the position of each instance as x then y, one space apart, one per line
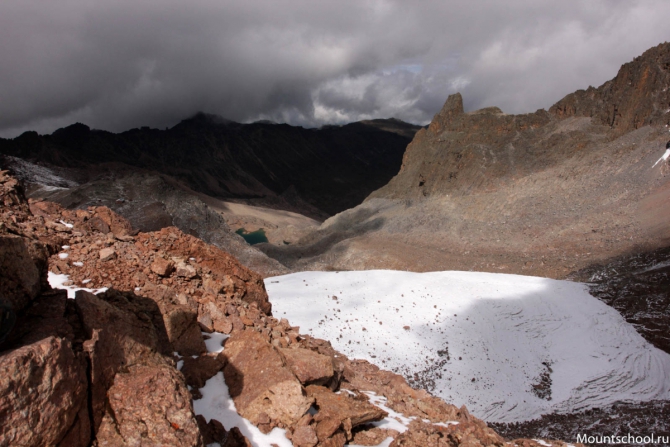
308 366
23 264
339 412
264 390
149 406
116 339
42 393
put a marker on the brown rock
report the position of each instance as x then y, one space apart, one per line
79 434
260 383
199 370
183 331
362 375
149 406
23 264
162 267
224 325
117 337
212 285
473 433
220 322
337 440
107 254
184 270
341 407
308 366
304 436
247 321
236 439
237 323
327 425
115 223
42 391
212 431
99 225
373 436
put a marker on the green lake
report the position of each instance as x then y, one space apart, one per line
253 237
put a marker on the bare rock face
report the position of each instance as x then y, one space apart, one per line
42 393
308 366
339 411
149 406
116 339
20 272
264 390
637 96
181 324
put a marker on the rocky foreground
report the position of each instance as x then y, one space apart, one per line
102 369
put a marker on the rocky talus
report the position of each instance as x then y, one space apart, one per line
102 369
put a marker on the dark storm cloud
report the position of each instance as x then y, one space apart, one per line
117 64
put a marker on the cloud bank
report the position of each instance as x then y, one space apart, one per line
118 64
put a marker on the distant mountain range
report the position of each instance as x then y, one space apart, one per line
319 172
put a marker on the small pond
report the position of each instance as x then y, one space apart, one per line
253 237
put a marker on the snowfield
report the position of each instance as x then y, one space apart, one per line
509 347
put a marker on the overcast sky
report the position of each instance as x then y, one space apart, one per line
119 64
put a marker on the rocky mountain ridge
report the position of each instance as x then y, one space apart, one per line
545 193
125 366
317 172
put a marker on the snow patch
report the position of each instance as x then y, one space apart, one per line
63 255
509 347
664 157
78 264
214 343
395 421
57 281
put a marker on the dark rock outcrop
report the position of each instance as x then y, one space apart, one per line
328 169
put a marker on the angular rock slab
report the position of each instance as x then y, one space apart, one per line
181 325
149 406
259 383
116 338
42 390
308 366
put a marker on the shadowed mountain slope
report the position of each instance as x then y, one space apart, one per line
543 193
317 171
